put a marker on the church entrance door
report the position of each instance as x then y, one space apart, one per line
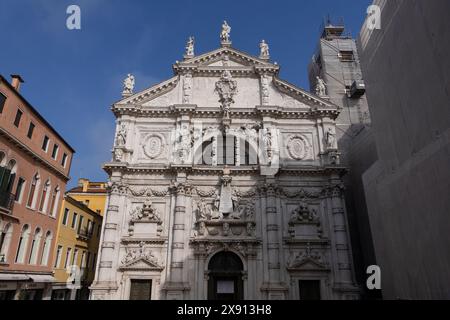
225 277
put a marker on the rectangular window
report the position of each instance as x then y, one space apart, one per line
66 263
140 289
66 216
80 224
89 227
30 130
2 102
18 117
58 256
75 257
45 143
346 56
309 289
74 220
19 189
64 160
55 151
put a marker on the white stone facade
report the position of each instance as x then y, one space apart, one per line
279 209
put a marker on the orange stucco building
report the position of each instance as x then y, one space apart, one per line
34 169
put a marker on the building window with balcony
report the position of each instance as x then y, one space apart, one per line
58 257
89 228
44 197
45 143
30 130
55 151
34 187
35 245
18 118
23 244
65 216
19 190
5 241
46 248
80 224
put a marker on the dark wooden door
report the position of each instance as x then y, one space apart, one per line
309 289
140 289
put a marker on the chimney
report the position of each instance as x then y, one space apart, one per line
16 80
84 183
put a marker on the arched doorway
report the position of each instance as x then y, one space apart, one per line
225 277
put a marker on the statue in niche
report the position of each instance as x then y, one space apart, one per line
190 47
128 85
225 34
250 211
320 87
264 49
201 210
121 138
267 140
184 143
214 211
331 139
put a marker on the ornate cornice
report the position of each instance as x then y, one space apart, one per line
277 112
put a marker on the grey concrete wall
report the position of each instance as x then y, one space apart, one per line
406 66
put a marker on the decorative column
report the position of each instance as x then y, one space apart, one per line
344 276
105 285
275 289
176 285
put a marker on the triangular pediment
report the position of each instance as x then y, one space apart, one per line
307 264
235 58
212 65
142 264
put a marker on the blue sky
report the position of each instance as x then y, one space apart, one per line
73 77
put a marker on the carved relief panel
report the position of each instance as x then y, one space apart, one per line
145 220
152 146
298 147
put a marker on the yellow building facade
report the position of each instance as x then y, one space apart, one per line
92 194
78 238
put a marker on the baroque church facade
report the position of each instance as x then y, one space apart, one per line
225 183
